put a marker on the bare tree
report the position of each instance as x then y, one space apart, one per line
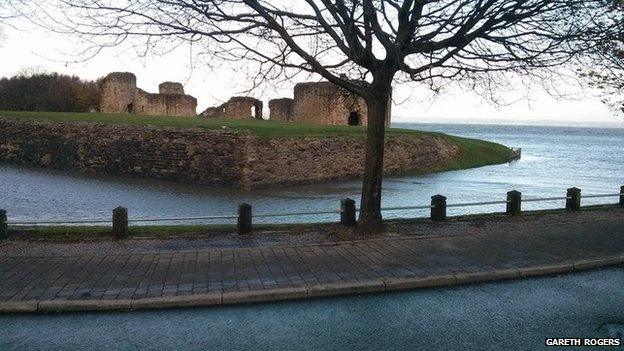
606 73
363 46
7 13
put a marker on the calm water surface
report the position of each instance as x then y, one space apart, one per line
554 159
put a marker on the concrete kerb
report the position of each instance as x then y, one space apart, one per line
19 307
178 301
280 294
548 269
55 306
347 288
477 277
595 263
420 282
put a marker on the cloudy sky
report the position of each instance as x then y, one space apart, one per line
213 83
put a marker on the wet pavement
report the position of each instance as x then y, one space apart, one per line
472 247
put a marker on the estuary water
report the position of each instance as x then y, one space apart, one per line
553 159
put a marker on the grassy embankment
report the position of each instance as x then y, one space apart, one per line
473 153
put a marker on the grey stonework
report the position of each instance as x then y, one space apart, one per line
207 156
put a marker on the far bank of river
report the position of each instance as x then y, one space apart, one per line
554 159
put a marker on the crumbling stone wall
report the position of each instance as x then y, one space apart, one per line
305 160
327 103
164 104
322 103
208 156
184 155
121 95
237 107
281 109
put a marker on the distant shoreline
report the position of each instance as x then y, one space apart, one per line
553 124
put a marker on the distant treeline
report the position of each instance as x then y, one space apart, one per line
37 91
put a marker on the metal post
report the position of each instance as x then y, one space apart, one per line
347 212
244 219
438 208
120 223
4 232
573 201
622 196
514 203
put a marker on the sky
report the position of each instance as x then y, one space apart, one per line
213 83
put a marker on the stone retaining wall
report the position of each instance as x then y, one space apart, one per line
206 156
300 160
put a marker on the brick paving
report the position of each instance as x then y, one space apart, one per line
144 275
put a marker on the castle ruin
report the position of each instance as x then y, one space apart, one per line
237 107
281 109
121 95
322 103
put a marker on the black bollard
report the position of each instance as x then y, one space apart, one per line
347 213
514 203
438 208
573 201
4 231
120 223
244 219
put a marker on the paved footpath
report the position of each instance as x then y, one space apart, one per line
235 275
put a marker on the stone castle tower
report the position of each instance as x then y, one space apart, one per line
121 95
322 103
118 92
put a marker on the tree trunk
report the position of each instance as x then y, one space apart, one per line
370 205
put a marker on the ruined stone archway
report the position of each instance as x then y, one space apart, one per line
237 107
354 119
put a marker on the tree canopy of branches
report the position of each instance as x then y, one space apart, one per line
363 46
38 91
7 13
607 72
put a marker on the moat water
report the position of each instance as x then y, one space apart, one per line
553 159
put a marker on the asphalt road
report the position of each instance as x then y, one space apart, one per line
515 315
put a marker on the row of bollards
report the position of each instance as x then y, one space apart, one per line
514 203
438 208
120 223
347 212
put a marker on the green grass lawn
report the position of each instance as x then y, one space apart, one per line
266 129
